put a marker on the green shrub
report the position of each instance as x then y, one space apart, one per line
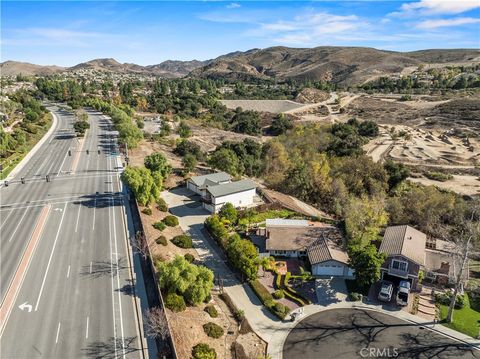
161 240
262 293
278 280
239 314
147 211
170 221
162 205
438 176
210 309
280 310
183 241
175 302
354 296
159 225
278 294
203 351
189 257
444 298
213 330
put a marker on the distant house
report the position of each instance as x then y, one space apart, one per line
321 244
217 189
405 249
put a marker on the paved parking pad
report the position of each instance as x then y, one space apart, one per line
360 333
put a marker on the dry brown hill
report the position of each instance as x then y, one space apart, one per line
13 68
345 65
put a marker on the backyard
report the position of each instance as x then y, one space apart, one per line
465 320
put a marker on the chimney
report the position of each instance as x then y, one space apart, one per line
444 268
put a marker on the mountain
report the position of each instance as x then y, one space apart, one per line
13 68
343 65
170 69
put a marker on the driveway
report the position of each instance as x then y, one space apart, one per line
331 290
363 333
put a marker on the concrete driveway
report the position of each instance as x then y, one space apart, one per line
331 290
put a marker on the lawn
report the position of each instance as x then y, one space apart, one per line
465 320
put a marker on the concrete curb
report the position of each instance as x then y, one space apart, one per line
34 149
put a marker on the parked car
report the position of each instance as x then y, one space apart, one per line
386 291
403 292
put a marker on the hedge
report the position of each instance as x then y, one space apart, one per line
291 293
189 257
260 291
266 298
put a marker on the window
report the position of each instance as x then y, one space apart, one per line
399 265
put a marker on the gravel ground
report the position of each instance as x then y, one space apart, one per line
273 106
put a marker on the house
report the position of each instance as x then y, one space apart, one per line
405 249
239 193
199 184
321 244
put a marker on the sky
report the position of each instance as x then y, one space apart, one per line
66 33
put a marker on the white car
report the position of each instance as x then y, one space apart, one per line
403 292
386 291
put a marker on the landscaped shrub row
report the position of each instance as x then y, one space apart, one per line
213 330
183 241
276 308
293 292
159 225
170 221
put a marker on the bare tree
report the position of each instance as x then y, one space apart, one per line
467 238
155 322
140 244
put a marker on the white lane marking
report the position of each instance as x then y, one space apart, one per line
58 333
61 166
68 271
111 277
51 255
8 216
78 216
18 225
86 330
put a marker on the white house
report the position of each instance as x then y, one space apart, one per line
239 193
199 184
322 244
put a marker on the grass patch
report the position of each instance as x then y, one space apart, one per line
465 320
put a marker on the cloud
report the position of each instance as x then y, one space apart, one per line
433 24
436 7
233 5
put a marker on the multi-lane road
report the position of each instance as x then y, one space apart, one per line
66 286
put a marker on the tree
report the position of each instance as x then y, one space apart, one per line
397 172
275 162
228 212
364 217
247 122
243 255
189 162
193 282
366 261
145 185
81 127
281 124
225 160
155 322
157 162
184 130
129 134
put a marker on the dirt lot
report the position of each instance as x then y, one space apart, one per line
273 106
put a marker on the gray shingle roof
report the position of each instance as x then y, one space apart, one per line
212 177
328 247
231 188
406 241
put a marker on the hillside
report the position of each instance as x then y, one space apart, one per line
13 68
344 65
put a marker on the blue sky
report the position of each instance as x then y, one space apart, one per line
68 32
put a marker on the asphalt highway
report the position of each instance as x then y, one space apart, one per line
66 287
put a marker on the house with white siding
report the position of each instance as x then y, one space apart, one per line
216 189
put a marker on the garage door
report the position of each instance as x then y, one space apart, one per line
335 270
